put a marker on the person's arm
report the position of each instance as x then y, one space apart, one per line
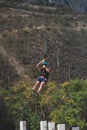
38 65
48 70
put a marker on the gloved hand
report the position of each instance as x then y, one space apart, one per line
42 60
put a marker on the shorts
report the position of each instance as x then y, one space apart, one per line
42 79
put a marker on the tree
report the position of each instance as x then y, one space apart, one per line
63 103
73 106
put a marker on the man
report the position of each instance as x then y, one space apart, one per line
42 66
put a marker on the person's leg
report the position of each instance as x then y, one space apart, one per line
36 85
41 86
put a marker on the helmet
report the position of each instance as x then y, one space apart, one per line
45 63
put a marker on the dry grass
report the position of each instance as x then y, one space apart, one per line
24 35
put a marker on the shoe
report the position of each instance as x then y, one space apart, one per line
32 91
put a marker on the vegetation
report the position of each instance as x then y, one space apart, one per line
26 34
64 103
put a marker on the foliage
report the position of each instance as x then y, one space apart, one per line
22 37
8 74
73 105
64 103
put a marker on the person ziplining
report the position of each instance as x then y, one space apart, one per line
42 79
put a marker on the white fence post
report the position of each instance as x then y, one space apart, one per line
43 125
75 128
51 125
22 125
61 127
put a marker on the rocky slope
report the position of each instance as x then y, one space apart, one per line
79 6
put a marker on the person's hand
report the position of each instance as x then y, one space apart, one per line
43 60
40 62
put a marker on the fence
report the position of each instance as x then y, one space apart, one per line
44 125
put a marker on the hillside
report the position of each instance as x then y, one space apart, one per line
28 32
79 6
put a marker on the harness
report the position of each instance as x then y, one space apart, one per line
44 73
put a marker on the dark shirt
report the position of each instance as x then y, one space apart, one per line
44 73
